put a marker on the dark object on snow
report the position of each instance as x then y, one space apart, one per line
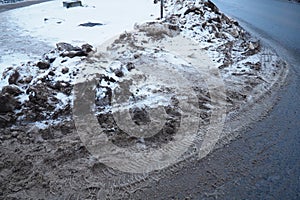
87 48
212 6
70 51
14 77
91 24
119 73
161 7
51 60
43 65
71 4
130 66
12 90
64 70
62 46
193 10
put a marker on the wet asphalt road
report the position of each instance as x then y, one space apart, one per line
277 20
6 7
264 162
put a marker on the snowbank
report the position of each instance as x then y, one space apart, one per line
44 88
44 92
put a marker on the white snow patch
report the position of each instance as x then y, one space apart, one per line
23 98
64 100
52 22
13 59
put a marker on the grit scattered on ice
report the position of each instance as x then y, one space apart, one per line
42 91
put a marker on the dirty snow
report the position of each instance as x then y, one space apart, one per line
51 104
221 36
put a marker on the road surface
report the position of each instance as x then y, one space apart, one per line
6 7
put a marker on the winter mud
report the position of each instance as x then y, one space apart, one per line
103 122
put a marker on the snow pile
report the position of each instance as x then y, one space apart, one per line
43 89
54 88
249 69
51 23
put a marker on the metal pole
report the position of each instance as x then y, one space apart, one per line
161 9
